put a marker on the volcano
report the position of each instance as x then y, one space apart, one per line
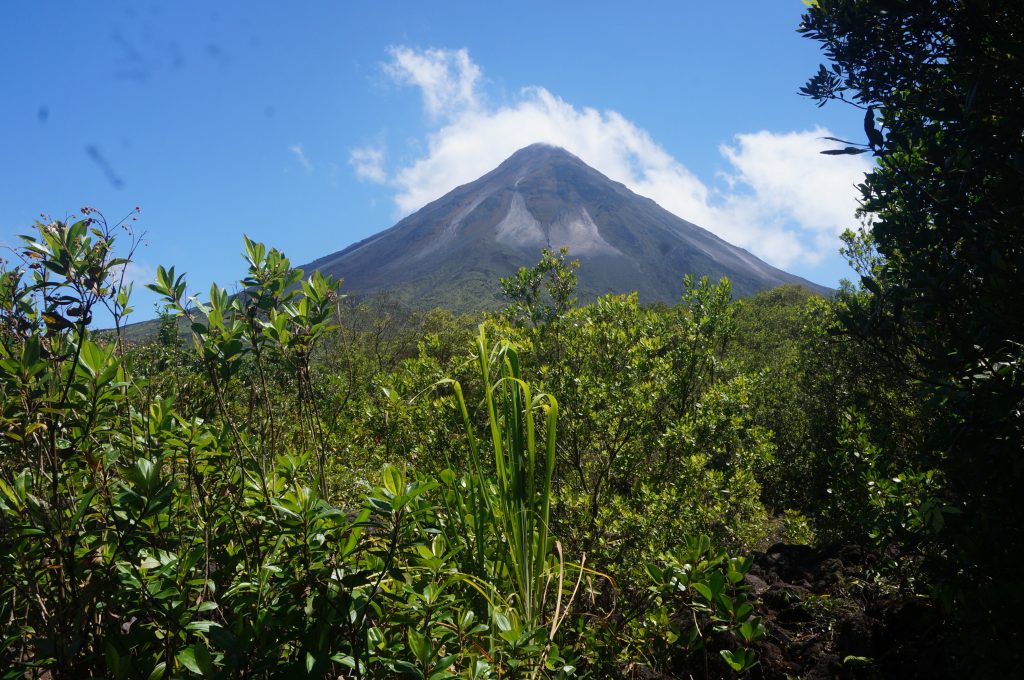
452 251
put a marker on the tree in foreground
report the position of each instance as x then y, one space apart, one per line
941 83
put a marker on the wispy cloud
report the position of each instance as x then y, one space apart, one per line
447 78
368 162
135 272
781 199
301 157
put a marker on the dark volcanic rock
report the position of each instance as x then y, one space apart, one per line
816 629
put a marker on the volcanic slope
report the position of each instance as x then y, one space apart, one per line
452 251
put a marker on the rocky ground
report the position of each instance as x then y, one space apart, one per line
826 617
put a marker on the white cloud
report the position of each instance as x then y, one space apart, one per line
782 199
134 272
300 156
791 184
368 162
447 78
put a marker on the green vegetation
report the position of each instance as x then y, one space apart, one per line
304 485
299 494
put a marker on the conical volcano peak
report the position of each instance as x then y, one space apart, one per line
452 251
539 155
541 150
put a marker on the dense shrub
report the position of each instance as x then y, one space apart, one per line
169 512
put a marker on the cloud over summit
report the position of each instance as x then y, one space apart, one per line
782 199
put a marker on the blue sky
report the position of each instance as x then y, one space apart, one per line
312 125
